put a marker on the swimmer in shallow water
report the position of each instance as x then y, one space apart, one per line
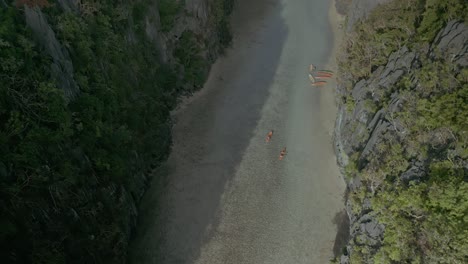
282 153
269 135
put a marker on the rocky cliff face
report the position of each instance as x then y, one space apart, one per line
202 17
198 16
86 90
373 117
62 67
361 129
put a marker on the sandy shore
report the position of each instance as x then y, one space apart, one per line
337 22
328 96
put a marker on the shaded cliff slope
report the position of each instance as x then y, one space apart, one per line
401 134
85 93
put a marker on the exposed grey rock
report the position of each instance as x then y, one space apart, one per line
385 77
366 205
373 229
349 211
445 31
360 90
373 123
365 218
68 5
376 136
199 8
62 67
399 63
354 184
413 173
367 231
354 131
344 259
452 43
362 113
342 159
152 30
358 127
350 132
197 18
395 103
393 108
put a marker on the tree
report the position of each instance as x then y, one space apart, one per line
33 3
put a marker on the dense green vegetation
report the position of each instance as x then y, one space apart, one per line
168 10
426 219
391 26
68 166
188 55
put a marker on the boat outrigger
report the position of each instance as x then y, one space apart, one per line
319 83
322 77
324 73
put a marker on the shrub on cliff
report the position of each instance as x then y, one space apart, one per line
387 28
414 178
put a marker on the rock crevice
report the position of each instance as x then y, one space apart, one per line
374 118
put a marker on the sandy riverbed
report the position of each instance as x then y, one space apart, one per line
228 199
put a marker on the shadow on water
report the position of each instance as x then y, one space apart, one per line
341 221
174 218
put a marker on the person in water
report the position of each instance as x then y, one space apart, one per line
269 135
282 153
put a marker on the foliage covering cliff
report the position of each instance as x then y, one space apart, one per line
402 133
85 93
